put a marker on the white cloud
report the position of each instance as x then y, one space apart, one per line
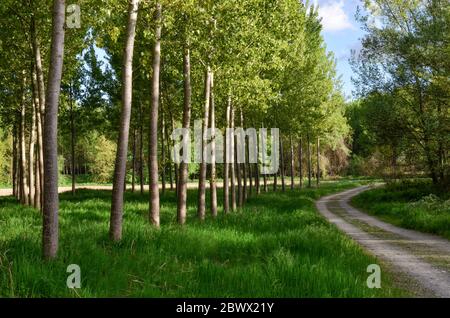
334 17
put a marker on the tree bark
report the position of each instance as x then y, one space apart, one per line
292 163
201 207
39 148
153 136
51 200
212 119
282 172
226 168
244 164
25 199
183 175
163 150
275 181
115 230
31 161
14 161
309 160
300 161
141 148
318 162
133 164
233 163
72 143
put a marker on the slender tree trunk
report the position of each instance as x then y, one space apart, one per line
115 230
169 147
202 178
250 178
39 155
153 137
37 184
292 163
226 168
51 200
72 143
183 175
31 161
275 181
244 164
173 165
212 118
25 199
163 150
300 161
133 164
141 148
41 93
318 162
309 160
283 182
233 163
14 161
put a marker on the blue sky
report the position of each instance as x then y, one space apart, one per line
341 33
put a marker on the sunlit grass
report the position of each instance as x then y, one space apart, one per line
277 246
415 205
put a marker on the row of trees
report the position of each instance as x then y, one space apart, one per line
250 64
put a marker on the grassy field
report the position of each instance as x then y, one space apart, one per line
415 205
277 246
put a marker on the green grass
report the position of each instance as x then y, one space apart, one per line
414 205
277 246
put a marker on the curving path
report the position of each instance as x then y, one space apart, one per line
423 259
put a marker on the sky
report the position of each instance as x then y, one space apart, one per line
342 34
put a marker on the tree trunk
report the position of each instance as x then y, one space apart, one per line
183 175
133 164
244 164
51 200
141 148
300 161
233 163
14 161
202 178
212 118
226 168
39 148
23 157
282 172
250 179
309 160
115 230
153 136
31 161
318 162
163 150
292 163
72 143
172 163
169 147
275 181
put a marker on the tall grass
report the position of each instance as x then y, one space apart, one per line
277 246
416 205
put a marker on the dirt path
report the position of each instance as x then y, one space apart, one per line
421 258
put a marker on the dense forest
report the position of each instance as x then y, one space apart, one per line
92 92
